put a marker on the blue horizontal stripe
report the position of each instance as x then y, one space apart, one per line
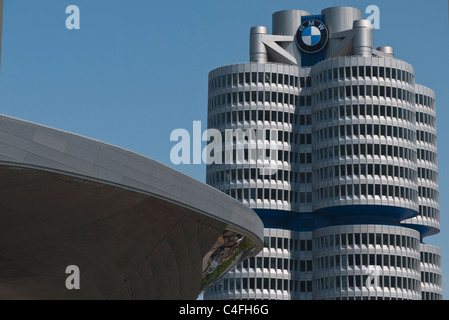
341 215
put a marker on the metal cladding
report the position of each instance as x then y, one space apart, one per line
364 38
258 52
387 50
352 139
339 19
135 228
286 22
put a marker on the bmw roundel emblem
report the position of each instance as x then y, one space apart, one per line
312 36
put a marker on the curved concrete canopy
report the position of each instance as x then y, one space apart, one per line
135 228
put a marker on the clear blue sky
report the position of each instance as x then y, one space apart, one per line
137 69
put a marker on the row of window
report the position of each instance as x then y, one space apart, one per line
287 244
364 150
355 191
431 296
238 145
233 137
429 212
358 239
254 116
253 175
359 130
364 111
238 284
427 155
251 155
329 113
337 261
425 118
345 261
325 283
306 286
363 91
242 153
427 137
324 173
428 174
269 135
365 170
376 150
428 193
259 194
331 94
335 74
259 98
369 191
254 78
350 191
431 258
359 282
363 72
335 113
431 278
275 263
425 101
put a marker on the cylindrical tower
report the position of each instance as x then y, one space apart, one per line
267 103
364 152
364 38
257 51
431 273
339 160
339 19
258 100
366 262
428 220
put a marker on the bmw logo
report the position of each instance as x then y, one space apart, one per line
312 36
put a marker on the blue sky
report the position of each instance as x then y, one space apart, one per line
137 70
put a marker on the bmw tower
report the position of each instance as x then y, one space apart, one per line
353 198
